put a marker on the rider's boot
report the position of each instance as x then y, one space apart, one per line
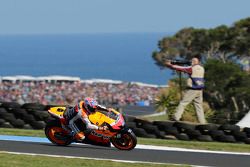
79 136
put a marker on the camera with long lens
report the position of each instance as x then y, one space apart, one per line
181 62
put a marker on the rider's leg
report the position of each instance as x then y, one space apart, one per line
75 131
71 116
64 124
67 116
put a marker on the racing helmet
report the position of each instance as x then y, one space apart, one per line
90 104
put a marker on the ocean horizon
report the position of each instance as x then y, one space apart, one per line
125 57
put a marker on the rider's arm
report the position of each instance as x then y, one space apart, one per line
88 124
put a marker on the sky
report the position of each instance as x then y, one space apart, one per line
116 16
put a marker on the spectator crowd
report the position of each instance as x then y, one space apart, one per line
69 93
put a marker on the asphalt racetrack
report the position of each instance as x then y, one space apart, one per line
138 154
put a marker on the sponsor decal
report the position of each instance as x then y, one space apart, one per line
100 135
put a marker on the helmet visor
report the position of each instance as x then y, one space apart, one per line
90 109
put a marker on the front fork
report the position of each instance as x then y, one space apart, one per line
124 130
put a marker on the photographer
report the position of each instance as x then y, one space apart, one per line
195 88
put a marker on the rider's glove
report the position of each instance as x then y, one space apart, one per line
103 128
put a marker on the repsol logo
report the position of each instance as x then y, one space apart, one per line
100 135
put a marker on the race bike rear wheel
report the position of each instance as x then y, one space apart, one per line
127 141
56 134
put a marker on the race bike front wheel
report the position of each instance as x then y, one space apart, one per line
127 141
56 134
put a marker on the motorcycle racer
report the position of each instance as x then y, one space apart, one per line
81 111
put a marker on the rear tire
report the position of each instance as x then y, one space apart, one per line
127 141
54 128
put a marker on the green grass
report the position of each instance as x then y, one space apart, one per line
216 146
156 118
22 132
11 160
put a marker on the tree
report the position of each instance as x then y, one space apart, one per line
227 89
221 43
242 41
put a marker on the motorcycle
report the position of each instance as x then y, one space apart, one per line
118 134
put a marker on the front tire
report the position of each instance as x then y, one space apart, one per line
127 141
56 134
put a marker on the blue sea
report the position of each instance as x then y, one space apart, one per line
126 56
